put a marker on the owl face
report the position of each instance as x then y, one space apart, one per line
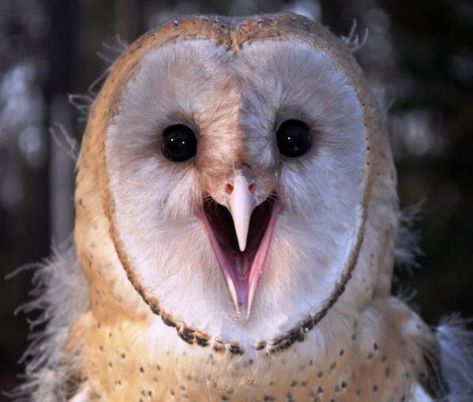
237 180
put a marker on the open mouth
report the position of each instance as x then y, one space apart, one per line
241 269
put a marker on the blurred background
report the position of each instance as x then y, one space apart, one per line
418 56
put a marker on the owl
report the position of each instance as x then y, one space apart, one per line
236 218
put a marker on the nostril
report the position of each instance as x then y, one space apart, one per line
229 188
251 187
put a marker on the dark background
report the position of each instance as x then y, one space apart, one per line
418 57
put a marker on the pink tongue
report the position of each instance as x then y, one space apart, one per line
239 265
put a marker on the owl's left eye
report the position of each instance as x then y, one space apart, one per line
178 143
293 138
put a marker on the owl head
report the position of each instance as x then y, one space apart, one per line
235 179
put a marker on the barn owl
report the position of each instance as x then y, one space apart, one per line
236 217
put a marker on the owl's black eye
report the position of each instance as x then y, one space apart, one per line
178 143
293 138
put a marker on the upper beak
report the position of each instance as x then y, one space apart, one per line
241 204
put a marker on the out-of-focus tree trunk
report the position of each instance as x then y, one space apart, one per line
62 55
129 18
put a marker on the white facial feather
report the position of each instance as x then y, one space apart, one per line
235 104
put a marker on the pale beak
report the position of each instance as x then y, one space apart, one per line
241 204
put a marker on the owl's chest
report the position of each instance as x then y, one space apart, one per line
131 363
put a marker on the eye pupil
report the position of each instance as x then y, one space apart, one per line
178 143
293 138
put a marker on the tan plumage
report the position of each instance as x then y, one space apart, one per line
160 324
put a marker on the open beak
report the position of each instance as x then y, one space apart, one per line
240 234
242 202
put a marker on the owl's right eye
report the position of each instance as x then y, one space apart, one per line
178 143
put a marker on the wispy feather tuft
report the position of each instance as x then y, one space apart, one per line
456 358
353 40
109 53
60 296
408 248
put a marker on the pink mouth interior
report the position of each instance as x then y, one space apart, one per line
241 269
